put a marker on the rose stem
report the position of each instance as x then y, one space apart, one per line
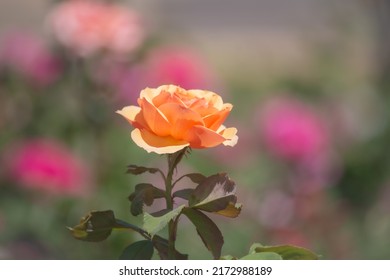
173 160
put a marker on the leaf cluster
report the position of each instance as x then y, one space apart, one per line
213 194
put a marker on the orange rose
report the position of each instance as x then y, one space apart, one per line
171 118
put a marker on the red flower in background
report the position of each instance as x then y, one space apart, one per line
90 26
47 165
28 55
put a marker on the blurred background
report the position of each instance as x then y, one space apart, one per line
310 85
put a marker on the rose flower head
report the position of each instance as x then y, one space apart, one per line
170 118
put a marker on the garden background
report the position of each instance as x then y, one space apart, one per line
309 82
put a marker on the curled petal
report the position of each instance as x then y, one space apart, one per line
160 145
230 135
133 115
149 94
129 112
202 137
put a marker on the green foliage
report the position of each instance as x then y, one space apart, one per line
136 170
140 250
262 256
228 258
175 158
154 224
207 230
98 225
195 177
184 193
216 194
282 252
95 227
144 194
162 247
287 252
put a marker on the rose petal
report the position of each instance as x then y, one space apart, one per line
133 116
202 137
166 97
214 121
213 99
149 94
202 107
159 145
181 119
156 121
230 135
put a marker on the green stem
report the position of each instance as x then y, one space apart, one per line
119 224
171 240
173 161
168 188
169 199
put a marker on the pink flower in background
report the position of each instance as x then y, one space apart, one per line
28 55
293 130
90 26
177 66
47 165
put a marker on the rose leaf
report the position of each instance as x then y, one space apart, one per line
207 230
